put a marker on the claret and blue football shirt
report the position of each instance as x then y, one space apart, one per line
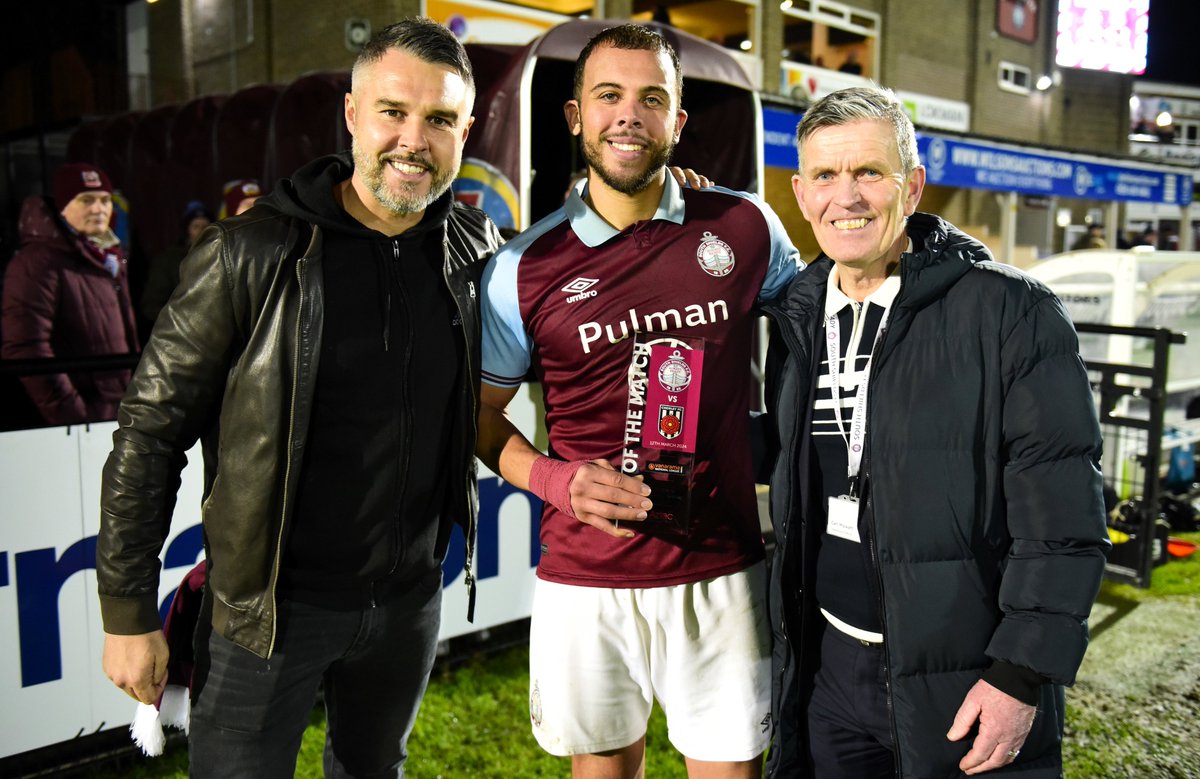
565 297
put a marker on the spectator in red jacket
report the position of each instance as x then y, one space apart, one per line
66 294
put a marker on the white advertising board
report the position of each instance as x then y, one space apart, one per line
51 638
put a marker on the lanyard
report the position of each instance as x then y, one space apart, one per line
858 420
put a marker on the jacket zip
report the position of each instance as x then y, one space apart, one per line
868 504
472 512
397 536
287 471
876 364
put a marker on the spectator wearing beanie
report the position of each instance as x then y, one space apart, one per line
163 276
66 294
238 196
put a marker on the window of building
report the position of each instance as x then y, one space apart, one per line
1187 132
830 35
1015 78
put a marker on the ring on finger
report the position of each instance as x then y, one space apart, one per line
1012 753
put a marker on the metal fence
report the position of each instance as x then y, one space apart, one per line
1132 402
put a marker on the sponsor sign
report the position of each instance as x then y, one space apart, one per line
810 83
779 138
936 112
483 21
960 163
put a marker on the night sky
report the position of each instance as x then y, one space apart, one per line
1173 55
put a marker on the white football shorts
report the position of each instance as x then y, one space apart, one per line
599 656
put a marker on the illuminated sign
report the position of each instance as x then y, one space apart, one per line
1103 35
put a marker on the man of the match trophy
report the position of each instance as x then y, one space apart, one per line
661 420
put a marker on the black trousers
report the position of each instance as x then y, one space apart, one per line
849 730
248 714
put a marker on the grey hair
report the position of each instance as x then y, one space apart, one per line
856 104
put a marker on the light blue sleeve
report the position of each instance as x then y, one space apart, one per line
785 260
506 346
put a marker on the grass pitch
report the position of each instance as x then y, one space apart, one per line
1134 712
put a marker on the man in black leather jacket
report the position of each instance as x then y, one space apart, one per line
333 332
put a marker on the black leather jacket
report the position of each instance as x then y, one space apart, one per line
242 335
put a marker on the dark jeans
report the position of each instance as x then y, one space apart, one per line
248 714
848 725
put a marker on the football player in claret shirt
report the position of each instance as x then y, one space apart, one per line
626 609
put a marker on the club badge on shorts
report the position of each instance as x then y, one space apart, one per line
714 255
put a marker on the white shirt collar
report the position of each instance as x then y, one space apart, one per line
836 300
591 228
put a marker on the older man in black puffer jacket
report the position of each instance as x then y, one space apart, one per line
937 501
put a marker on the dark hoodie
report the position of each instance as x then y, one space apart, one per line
367 514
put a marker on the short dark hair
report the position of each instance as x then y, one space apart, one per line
423 38
629 37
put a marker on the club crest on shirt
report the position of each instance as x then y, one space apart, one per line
670 421
714 255
674 375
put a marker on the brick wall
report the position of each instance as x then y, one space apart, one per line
927 47
1095 111
218 48
311 36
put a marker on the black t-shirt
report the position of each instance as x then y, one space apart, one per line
372 484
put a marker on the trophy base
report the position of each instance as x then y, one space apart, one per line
669 475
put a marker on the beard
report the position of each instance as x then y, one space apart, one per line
632 182
406 198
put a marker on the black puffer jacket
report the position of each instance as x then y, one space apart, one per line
981 488
242 336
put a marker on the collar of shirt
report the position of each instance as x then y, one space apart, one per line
836 300
593 230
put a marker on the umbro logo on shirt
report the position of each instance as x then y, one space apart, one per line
581 288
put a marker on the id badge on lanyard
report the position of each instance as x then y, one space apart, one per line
842 511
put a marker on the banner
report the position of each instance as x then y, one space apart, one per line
952 162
